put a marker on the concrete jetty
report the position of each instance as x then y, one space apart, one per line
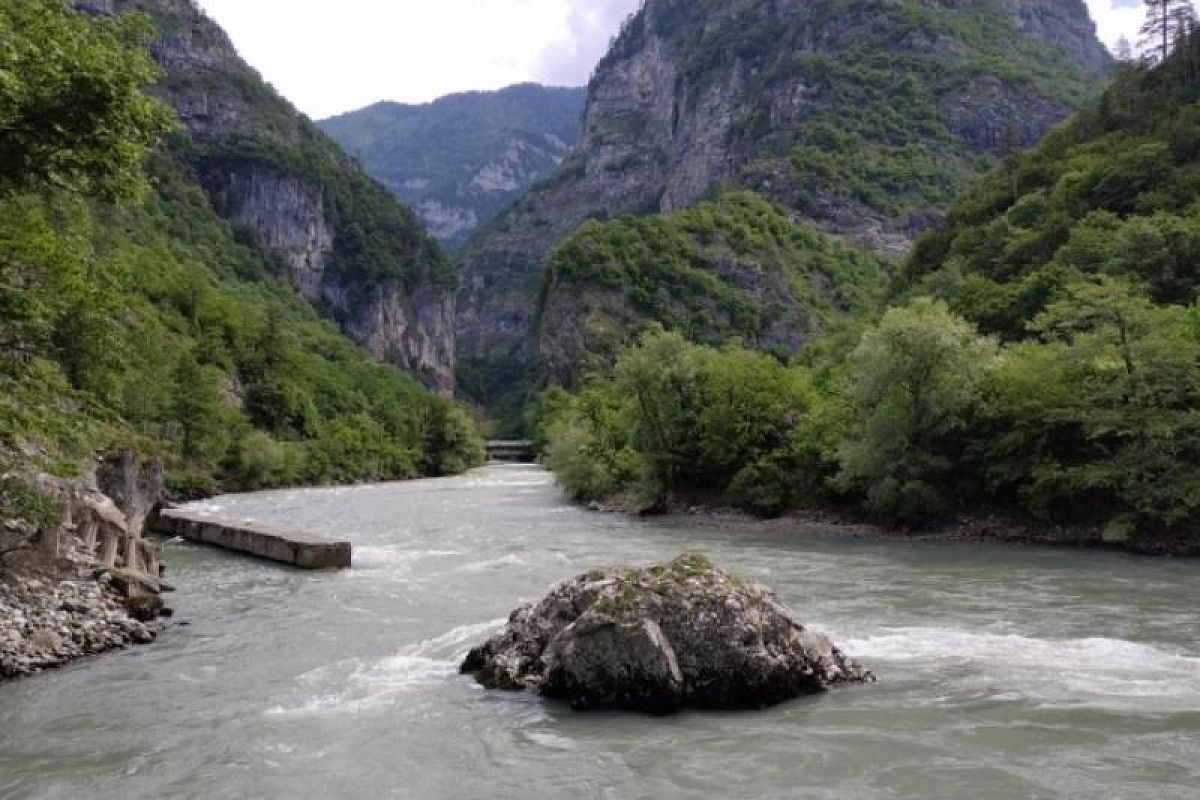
287 547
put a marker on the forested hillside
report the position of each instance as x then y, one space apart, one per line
737 268
132 314
1040 360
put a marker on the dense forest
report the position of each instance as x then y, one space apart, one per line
1039 357
133 316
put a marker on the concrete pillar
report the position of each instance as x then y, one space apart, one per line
110 543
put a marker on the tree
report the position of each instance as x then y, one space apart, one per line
73 112
196 406
1097 421
916 381
1167 21
267 373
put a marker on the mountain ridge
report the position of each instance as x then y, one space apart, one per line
459 160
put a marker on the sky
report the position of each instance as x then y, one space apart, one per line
330 57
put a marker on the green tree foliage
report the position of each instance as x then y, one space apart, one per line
675 418
916 381
196 404
1167 21
735 268
72 109
1098 419
150 322
1111 193
1042 358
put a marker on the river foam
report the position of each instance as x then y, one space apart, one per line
1092 672
360 685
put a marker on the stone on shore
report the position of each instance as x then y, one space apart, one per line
83 581
46 624
682 634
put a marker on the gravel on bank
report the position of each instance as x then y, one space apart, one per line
44 624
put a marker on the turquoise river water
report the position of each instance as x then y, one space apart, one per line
1004 672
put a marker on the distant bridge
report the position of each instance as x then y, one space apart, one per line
513 450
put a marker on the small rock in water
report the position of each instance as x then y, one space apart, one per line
682 634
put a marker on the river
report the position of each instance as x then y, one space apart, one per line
1005 672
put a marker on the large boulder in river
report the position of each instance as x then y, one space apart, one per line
680 634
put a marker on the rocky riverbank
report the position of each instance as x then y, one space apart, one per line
46 624
997 528
76 576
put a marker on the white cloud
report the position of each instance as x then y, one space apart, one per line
330 57
590 27
1117 18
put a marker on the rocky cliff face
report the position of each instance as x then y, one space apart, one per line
351 249
460 160
865 120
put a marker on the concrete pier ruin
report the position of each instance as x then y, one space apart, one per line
294 548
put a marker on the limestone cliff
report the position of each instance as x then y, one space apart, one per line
350 248
865 119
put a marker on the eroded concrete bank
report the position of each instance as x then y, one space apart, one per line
81 580
294 548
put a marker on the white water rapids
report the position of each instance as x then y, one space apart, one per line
1005 672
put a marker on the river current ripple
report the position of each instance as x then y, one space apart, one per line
1005 672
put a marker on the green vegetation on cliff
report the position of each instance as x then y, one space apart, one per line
141 318
896 91
1042 360
865 117
1114 192
736 268
238 122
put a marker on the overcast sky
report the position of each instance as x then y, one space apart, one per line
329 57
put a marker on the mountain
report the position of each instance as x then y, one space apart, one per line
154 341
864 117
351 249
161 273
460 160
1034 375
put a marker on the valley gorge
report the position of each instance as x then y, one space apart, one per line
782 98
846 351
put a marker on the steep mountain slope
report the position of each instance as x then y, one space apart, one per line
1041 362
865 117
1112 193
349 247
143 319
462 159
